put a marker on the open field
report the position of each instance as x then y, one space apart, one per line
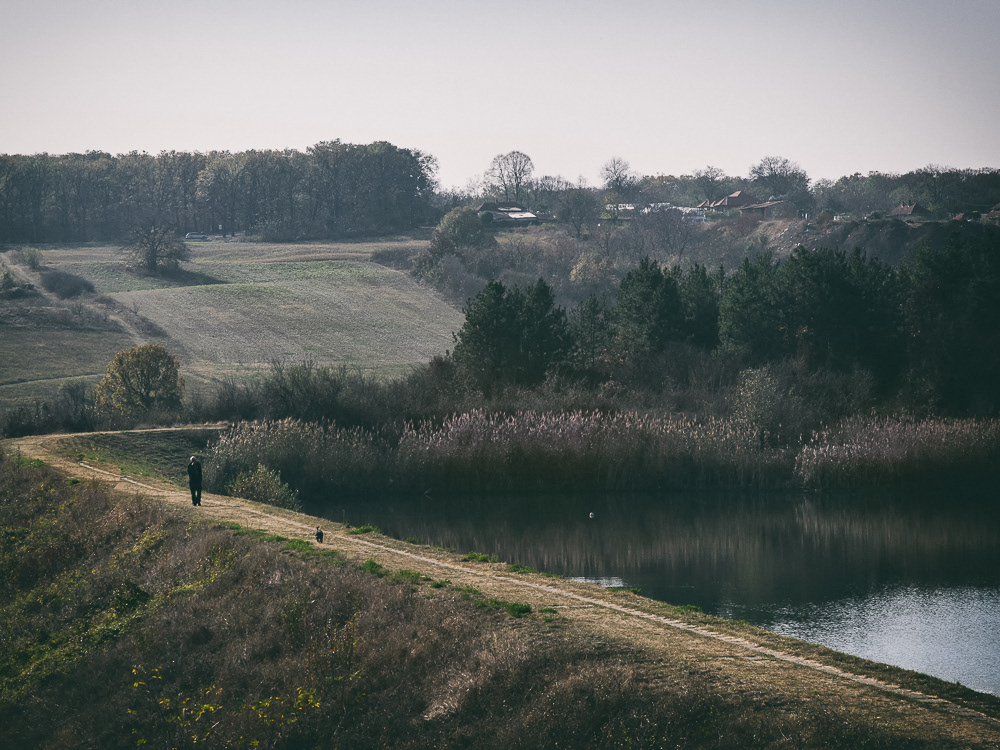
234 308
778 682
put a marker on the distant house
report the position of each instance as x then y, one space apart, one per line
914 210
508 213
772 210
734 200
993 216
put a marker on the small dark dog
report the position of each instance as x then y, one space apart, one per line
319 535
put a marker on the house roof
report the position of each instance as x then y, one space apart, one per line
766 204
909 209
734 200
507 211
505 207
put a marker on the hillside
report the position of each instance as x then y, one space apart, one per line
144 619
234 308
891 240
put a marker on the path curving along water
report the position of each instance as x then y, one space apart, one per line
596 613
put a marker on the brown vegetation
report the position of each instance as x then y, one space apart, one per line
149 621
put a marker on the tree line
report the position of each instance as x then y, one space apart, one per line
941 190
925 335
334 188
330 189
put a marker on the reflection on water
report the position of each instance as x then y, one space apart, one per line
906 583
950 633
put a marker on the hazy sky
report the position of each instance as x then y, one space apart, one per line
669 86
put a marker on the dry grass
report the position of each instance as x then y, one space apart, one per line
235 307
142 627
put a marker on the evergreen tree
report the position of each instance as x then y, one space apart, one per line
511 336
647 312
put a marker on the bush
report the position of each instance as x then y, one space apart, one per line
12 288
72 409
265 486
65 285
32 257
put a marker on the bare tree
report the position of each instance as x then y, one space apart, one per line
150 246
712 182
579 208
670 233
620 179
779 177
510 173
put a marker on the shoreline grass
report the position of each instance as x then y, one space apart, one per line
143 626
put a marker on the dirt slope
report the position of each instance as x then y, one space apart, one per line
777 671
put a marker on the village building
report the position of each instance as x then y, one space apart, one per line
992 216
910 210
734 200
508 213
772 210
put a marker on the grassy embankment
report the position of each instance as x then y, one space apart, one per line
143 623
234 308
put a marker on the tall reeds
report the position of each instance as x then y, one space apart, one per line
481 451
899 450
622 451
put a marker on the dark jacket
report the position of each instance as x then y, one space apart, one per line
194 474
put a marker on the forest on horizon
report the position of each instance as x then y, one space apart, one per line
335 189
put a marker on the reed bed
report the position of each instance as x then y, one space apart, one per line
310 457
877 452
484 452
621 451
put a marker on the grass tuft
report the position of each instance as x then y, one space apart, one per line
480 557
366 529
373 567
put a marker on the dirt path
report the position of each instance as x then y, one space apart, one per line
753 662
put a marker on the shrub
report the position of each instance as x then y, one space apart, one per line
65 285
72 409
265 486
517 609
365 529
13 288
374 567
32 257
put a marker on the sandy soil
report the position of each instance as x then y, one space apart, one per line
750 661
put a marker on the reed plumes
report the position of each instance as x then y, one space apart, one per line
889 451
311 458
480 451
484 451
623 451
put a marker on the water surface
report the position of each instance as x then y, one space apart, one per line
911 583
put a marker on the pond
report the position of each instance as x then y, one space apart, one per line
912 583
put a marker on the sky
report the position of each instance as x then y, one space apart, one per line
670 86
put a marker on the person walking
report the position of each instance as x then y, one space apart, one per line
194 480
